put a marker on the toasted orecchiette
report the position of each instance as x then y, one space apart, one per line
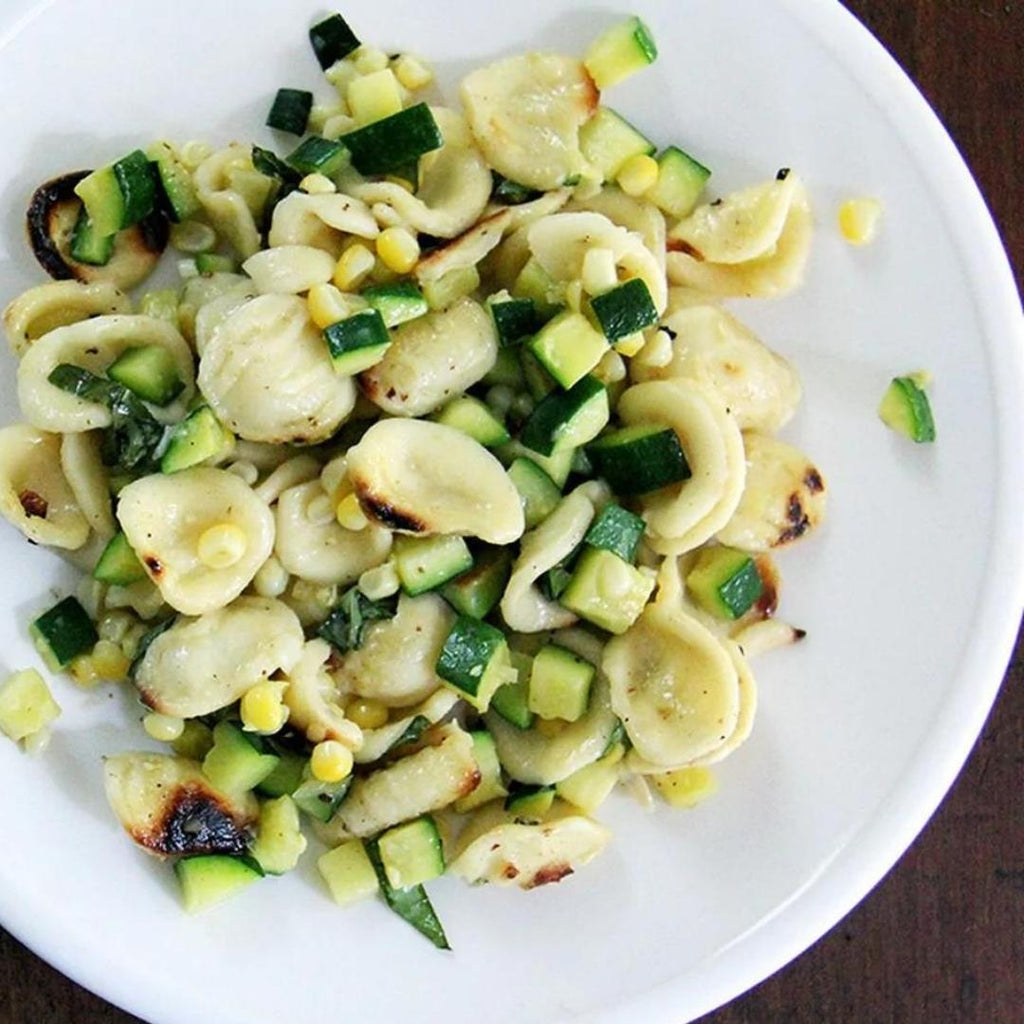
455 184
523 607
710 346
683 516
267 374
89 481
754 244
500 848
289 269
524 214
210 315
169 807
419 783
322 221
432 359
395 663
465 251
57 304
311 697
530 756
224 203
673 685
93 345
202 664
784 497
526 113
560 243
637 215
164 519
415 476
377 742
35 495
319 551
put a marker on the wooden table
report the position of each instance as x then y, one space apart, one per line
942 938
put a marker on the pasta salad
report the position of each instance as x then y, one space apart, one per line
439 497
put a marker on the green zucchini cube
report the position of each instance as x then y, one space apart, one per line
560 684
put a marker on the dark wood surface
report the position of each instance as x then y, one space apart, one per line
942 937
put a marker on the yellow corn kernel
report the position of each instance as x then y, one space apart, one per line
312 602
317 185
321 113
398 249
335 127
193 236
130 641
549 727
194 742
221 546
262 708
333 478
110 661
115 625
412 72
331 761
630 345
367 714
163 728
368 59
859 220
638 174
83 671
26 704
657 350
326 305
353 265
350 515
685 787
380 582
271 578
193 153
599 274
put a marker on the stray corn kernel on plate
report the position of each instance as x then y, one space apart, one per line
422 493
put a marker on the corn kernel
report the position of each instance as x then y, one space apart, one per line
638 174
367 714
320 511
83 671
353 265
859 220
685 787
332 477
321 113
611 369
412 72
110 661
549 727
115 625
193 236
163 728
262 709
340 73
331 761
132 638
271 578
368 59
630 345
193 153
350 514
599 274
380 582
195 740
221 546
398 249
326 305
26 704
312 602
574 295
657 350
335 127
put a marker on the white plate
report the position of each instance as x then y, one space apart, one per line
911 595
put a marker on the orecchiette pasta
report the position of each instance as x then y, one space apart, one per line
419 477
267 374
311 698
93 345
89 481
289 269
377 742
198 292
200 665
299 469
165 518
636 215
224 204
210 315
432 359
320 221
465 251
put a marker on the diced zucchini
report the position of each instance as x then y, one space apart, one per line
319 799
725 582
348 873
88 245
120 195
511 701
357 342
491 787
640 458
514 320
537 491
287 775
233 764
618 530
905 408
558 465
559 683
608 140
26 705
625 309
317 155
411 904
175 181
62 633
374 96
620 52
568 347
607 591
412 853
473 418
163 304
118 565
588 787
529 801
474 661
279 840
397 303
567 419
511 192
536 284
196 738
681 179
476 593
212 878
198 437
425 563
332 40
685 787
290 111
150 371
506 370
538 381
215 263
394 141
451 286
